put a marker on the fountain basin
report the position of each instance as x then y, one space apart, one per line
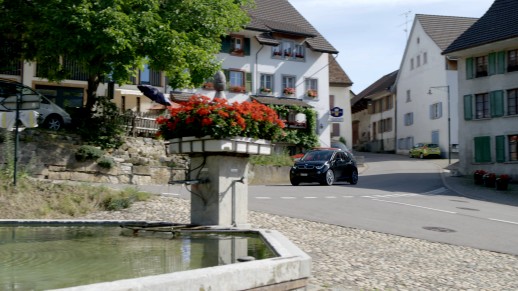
290 269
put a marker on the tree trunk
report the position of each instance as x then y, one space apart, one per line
91 92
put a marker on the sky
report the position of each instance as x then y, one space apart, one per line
371 35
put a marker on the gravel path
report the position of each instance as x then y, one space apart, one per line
353 259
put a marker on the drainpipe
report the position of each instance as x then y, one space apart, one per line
256 70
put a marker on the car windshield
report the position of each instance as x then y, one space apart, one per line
317 156
432 145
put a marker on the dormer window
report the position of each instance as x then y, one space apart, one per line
288 50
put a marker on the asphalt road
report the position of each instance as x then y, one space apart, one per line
401 196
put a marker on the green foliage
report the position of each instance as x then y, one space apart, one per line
106 162
123 199
116 38
306 138
88 152
106 128
272 160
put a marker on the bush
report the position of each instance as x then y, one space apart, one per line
87 152
124 199
106 162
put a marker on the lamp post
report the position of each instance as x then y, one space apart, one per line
447 87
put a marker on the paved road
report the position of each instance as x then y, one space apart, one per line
400 196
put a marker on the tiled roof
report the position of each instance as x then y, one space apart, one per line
499 23
384 84
280 16
280 101
444 29
337 75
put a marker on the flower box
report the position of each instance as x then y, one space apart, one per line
238 145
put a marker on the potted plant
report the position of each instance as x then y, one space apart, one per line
289 91
312 93
490 180
201 117
265 90
502 182
478 176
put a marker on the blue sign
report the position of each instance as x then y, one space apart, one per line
337 112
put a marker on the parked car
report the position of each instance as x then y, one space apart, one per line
51 116
324 166
425 150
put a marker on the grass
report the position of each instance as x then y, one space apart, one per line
37 199
272 160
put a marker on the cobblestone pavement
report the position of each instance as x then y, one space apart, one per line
352 259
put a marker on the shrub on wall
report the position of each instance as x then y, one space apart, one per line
88 152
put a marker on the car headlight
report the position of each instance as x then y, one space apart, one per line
320 167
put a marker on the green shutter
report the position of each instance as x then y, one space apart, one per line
469 68
247 47
468 107
500 149
491 64
226 44
496 99
248 82
482 149
500 62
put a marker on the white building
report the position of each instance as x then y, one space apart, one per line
427 99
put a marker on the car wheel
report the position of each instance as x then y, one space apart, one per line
294 182
53 122
354 177
421 156
329 178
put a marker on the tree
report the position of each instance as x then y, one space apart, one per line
112 39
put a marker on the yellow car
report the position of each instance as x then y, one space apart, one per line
425 150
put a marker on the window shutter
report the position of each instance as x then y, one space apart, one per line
500 149
431 109
227 78
248 82
492 64
247 46
482 149
226 44
500 62
440 110
468 107
469 68
496 103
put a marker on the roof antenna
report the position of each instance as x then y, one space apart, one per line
406 14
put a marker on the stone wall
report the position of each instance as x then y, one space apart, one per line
139 161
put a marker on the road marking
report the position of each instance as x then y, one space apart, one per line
263 198
412 205
436 191
172 194
288 198
310 197
330 197
506 221
391 195
348 196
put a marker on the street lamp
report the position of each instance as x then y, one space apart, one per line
447 87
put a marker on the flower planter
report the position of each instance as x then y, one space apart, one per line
502 184
238 145
489 180
478 178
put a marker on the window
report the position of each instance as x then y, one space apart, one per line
312 88
237 45
144 76
236 81
409 118
512 60
481 66
425 58
513 147
512 102
482 106
418 61
436 110
411 64
335 130
482 149
289 50
408 97
384 125
266 84
388 103
288 85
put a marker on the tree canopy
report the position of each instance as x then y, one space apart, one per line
112 39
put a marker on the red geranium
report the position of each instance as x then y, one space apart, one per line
201 116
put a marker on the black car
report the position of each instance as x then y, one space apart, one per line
324 166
